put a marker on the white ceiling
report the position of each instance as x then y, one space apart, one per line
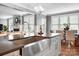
8 12
25 8
4 11
51 8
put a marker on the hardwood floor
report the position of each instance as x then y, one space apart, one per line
65 51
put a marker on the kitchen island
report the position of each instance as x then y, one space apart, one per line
38 45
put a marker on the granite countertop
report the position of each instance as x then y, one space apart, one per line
51 35
7 46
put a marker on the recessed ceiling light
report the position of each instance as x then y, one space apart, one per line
39 8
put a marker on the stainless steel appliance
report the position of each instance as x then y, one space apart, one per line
35 48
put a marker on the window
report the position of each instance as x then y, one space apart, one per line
29 24
43 20
31 28
73 27
54 27
74 19
73 22
26 27
54 22
11 24
63 20
57 22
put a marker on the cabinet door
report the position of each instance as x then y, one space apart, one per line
55 45
46 52
52 47
59 46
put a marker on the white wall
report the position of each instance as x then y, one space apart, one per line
3 21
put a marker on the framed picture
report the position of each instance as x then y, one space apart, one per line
17 20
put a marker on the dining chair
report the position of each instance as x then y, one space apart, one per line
70 38
63 41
